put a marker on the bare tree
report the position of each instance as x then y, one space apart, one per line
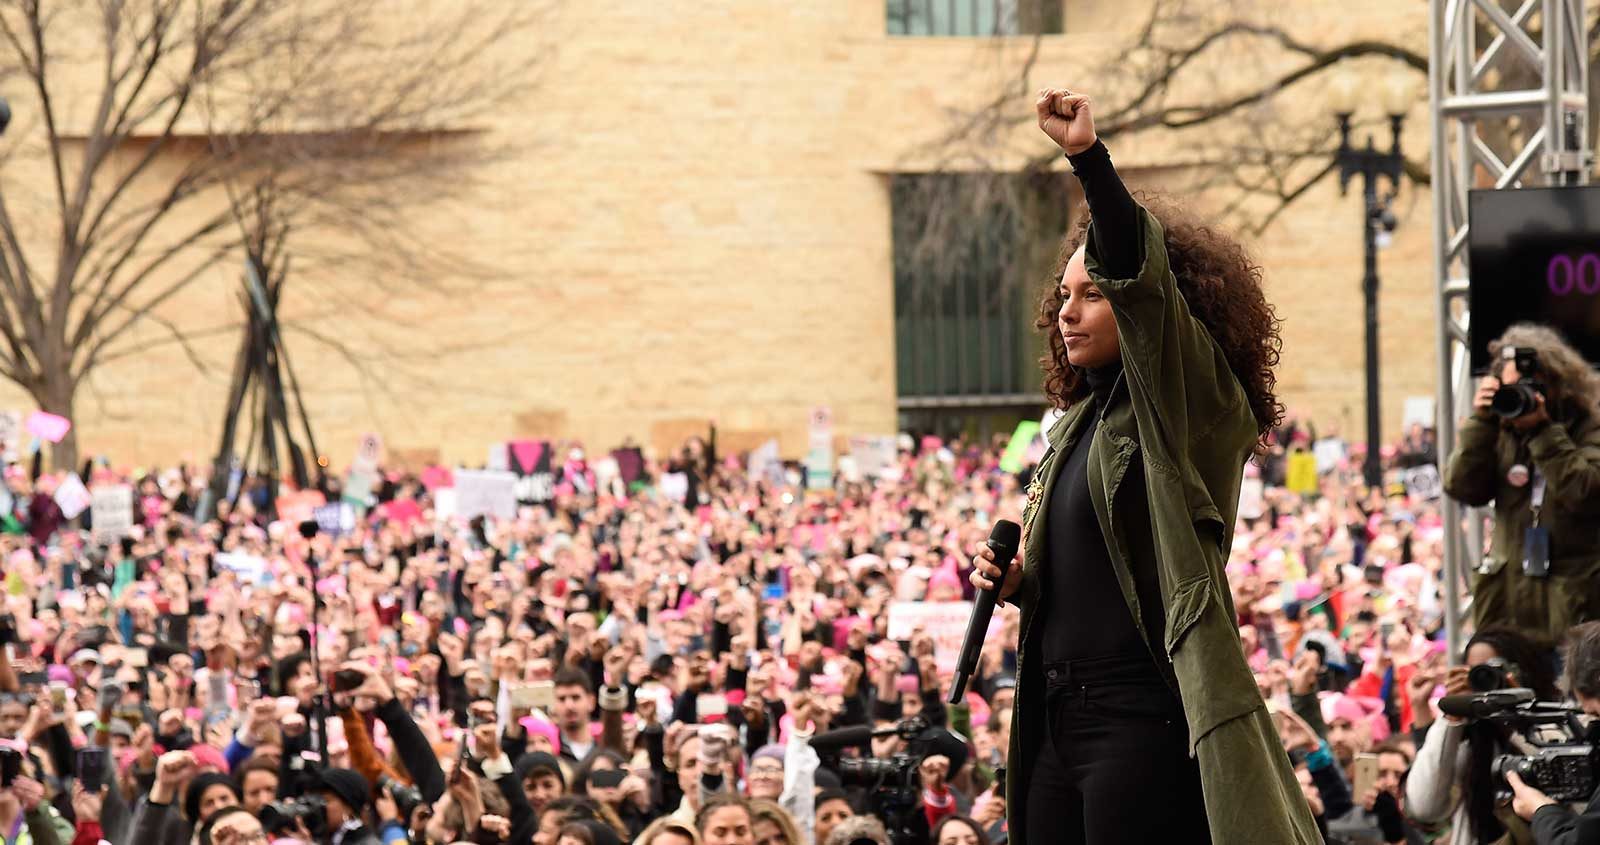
1228 79
175 133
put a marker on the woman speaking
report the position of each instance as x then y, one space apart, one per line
1137 718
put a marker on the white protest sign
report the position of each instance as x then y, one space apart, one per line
444 504
72 496
486 492
765 464
1419 410
111 510
945 621
1250 499
368 450
335 519
10 433
874 453
248 568
1329 452
1423 482
675 486
499 457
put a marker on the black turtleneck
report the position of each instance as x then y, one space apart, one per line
1084 611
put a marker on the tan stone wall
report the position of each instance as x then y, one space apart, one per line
698 227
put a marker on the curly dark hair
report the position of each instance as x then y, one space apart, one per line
1222 286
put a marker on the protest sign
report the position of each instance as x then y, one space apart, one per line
1329 452
675 486
1419 410
248 568
111 511
368 450
874 454
358 489
485 492
1302 477
48 427
819 451
630 463
11 434
1423 483
765 464
1021 439
945 621
434 477
336 519
297 506
72 496
529 460
1251 505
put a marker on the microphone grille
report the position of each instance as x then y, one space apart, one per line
1007 532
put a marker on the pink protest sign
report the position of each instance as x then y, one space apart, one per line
48 427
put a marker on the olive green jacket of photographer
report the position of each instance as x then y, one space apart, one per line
1178 407
1567 454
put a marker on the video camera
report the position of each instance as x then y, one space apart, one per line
1513 400
891 785
1559 756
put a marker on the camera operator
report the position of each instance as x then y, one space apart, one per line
1451 778
1554 824
1532 446
345 794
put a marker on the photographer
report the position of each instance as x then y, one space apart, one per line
1532 446
1451 778
1554 824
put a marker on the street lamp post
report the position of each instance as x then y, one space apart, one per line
1372 165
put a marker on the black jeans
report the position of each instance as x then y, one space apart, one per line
1115 767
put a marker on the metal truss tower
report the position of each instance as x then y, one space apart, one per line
1510 106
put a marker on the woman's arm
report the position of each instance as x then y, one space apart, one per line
1171 360
414 750
1114 234
1428 787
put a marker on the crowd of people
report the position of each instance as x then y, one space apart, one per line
619 665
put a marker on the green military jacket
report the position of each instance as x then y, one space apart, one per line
1567 455
1180 408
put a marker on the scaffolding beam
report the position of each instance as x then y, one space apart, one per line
1513 114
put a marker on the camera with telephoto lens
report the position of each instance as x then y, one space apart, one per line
406 797
1492 674
280 816
1514 400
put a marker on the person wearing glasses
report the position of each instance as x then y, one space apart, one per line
232 826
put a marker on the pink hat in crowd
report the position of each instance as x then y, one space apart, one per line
1357 709
536 724
208 756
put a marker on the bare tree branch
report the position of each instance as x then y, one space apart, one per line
353 120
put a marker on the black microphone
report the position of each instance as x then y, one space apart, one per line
1484 704
1003 540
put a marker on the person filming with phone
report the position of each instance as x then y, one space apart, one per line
1532 447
